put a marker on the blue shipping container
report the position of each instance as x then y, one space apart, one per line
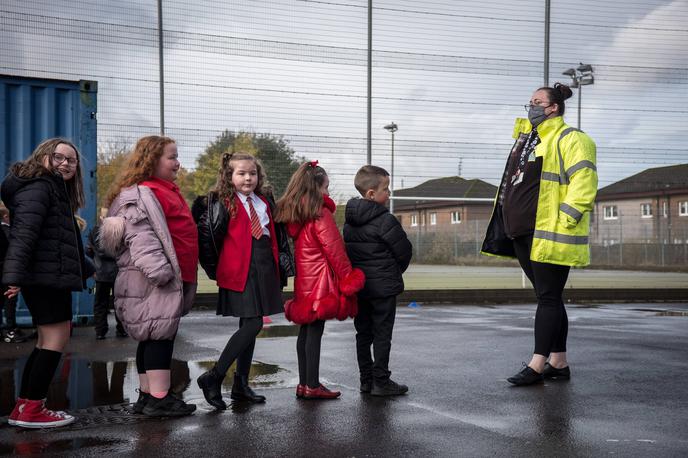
32 110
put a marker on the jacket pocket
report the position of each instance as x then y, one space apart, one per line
131 283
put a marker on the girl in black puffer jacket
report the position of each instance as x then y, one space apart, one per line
45 261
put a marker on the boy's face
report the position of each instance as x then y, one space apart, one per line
381 194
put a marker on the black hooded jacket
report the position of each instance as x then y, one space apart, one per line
376 244
45 245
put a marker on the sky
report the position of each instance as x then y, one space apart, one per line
452 74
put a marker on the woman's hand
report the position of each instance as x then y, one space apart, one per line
12 291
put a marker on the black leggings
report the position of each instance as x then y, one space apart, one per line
240 347
154 355
308 352
549 280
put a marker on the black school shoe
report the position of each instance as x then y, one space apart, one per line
388 388
169 406
242 392
366 386
211 384
527 376
551 372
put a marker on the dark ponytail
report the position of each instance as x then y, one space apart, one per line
558 94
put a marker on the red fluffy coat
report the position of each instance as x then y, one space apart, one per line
325 286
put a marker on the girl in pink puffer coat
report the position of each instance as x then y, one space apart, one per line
151 233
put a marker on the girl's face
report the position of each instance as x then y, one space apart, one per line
325 187
168 164
65 160
244 176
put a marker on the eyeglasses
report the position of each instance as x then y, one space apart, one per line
60 158
531 105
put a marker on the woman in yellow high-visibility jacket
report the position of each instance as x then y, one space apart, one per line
542 217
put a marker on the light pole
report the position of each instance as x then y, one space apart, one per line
391 127
581 76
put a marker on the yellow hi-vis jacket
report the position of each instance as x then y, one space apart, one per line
568 186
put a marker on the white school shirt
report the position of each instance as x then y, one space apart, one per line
261 210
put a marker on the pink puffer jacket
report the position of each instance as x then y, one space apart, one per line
149 296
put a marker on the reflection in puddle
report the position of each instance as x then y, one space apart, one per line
672 313
80 383
280 330
63 445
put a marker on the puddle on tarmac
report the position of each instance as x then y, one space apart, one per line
672 313
35 447
587 306
664 312
81 383
279 330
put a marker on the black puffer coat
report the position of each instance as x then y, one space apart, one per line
376 244
105 266
45 245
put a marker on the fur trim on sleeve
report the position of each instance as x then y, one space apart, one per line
111 235
352 283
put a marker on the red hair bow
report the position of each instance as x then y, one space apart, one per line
313 164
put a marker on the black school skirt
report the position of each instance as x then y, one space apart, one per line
262 295
48 305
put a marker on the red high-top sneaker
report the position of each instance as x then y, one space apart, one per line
12 419
34 414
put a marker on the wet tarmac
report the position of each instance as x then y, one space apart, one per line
627 395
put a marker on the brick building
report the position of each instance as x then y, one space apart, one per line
648 207
434 216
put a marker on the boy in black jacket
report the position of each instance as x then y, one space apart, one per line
376 244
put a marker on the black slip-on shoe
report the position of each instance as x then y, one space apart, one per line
551 372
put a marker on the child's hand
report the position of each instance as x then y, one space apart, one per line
12 291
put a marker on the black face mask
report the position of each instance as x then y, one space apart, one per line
536 114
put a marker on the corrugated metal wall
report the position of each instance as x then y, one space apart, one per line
32 110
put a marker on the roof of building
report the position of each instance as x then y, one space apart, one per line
658 180
445 187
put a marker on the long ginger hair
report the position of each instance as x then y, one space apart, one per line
35 166
224 187
140 164
303 199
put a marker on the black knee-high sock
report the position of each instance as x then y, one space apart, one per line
26 374
242 339
42 372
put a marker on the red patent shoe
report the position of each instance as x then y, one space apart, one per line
299 390
319 393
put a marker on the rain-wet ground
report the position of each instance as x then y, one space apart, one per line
628 394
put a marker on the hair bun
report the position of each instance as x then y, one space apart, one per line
564 90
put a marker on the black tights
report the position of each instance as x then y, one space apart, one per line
240 347
308 352
549 280
154 355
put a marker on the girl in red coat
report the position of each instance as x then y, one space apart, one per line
247 273
325 284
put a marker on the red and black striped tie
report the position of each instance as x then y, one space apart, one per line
256 227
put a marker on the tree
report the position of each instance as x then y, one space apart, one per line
278 158
112 157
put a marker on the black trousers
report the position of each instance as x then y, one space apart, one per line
374 324
154 355
101 306
549 280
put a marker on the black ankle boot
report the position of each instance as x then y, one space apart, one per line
211 384
242 392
